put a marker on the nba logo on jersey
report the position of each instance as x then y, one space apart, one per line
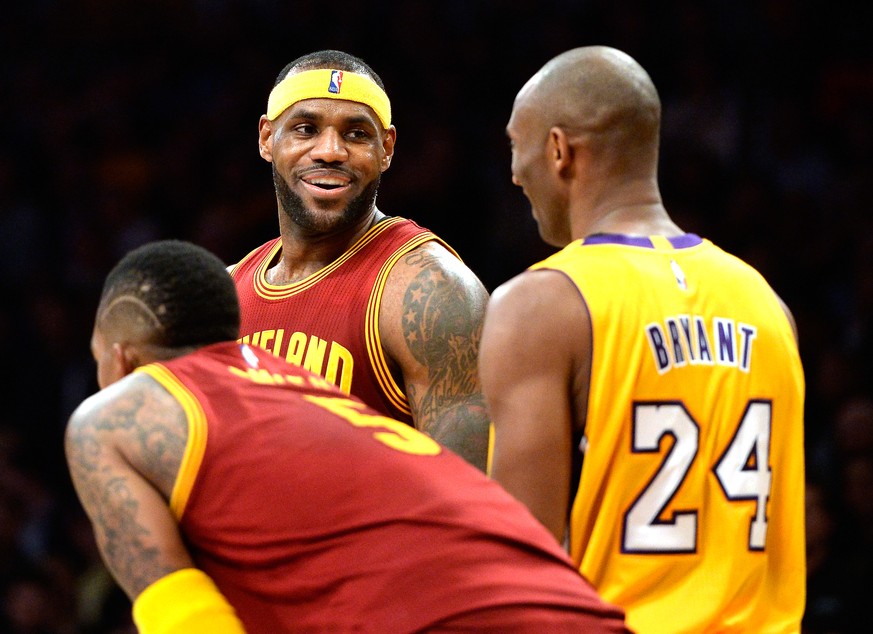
250 357
336 81
680 275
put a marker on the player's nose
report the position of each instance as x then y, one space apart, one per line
329 146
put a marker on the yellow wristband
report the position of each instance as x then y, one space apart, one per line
186 601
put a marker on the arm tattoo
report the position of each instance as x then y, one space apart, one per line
442 332
155 443
109 489
123 540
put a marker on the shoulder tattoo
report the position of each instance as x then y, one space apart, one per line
440 329
442 325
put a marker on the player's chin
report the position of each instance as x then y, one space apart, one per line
331 218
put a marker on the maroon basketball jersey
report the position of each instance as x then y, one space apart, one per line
328 322
313 512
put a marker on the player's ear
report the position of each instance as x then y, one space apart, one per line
559 151
125 359
265 138
388 147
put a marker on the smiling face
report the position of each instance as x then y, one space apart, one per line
328 156
529 139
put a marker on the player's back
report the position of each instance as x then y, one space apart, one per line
689 512
356 522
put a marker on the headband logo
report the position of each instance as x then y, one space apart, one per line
336 81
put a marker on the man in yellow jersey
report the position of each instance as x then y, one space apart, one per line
645 386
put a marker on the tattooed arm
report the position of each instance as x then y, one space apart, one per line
124 446
430 324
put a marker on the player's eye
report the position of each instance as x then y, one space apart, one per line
357 134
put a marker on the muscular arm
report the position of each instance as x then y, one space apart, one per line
124 446
534 363
430 325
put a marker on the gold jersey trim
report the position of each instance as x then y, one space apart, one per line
661 242
269 291
371 327
197 433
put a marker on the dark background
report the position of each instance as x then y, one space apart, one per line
122 122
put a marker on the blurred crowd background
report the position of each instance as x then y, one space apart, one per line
123 122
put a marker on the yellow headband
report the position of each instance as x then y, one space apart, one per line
325 83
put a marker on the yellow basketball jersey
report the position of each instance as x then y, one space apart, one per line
690 507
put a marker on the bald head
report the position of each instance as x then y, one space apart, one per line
599 91
584 132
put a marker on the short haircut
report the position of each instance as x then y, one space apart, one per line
182 291
329 58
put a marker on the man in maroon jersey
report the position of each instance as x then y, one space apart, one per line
232 491
378 305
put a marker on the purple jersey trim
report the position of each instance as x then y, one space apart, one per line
684 241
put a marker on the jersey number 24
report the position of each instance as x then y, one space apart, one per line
742 471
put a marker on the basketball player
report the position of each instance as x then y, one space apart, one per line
645 386
378 305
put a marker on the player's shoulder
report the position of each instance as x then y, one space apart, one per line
137 419
120 416
536 296
435 265
128 396
440 253
539 320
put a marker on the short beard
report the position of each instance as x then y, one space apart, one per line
292 205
